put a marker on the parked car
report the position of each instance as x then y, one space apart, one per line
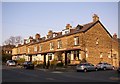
118 69
10 63
28 65
104 66
86 67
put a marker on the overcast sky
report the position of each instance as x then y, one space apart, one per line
28 18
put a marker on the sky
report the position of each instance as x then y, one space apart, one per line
28 18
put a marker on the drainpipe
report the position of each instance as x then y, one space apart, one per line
111 54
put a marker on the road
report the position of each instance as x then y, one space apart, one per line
17 74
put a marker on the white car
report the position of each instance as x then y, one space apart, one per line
104 66
10 63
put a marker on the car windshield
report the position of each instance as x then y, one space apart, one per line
11 61
29 62
86 64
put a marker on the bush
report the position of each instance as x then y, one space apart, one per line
60 64
53 62
20 61
35 62
83 60
6 57
40 65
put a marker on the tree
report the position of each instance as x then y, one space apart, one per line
6 57
13 40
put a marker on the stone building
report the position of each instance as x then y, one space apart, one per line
7 49
90 41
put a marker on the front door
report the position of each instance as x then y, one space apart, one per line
45 59
30 58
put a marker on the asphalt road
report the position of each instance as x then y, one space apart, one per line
17 74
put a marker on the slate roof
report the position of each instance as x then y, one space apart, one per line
82 29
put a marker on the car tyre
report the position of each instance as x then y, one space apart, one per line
85 70
104 68
96 69
113 68
25 67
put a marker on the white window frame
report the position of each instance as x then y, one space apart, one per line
109 55
76 40
18 50
50 55
59 44
9 52
40 47
51 46
97 41
35 48
28 50
101 55
24 49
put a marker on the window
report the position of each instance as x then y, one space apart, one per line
86 55
114 56
59 44
54 35
6 51
66 32
18 50
35 48
9 52
28 50
97 41
40 47
109 55
76 55
24 49
76 40
51 46
101 55
50 56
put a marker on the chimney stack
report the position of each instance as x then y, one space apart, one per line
25 41
95 18
115 36
30 38
50 32
37 36
68 26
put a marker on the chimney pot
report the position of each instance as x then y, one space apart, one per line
68 26
37 36
115 36
95 18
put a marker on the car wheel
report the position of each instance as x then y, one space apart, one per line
113 68
96 69
85 70
25 67
104 68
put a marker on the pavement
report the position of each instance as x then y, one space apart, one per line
57 69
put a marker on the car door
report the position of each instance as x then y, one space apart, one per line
89 67
92 67
110 66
